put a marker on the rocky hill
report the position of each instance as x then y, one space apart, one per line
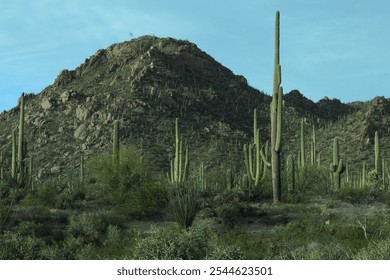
148 82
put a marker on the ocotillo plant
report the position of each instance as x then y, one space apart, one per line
276 118
21 151
179 165
115 141
337 167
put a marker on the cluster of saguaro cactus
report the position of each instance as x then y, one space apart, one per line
255 159
276 118
179 165
337 167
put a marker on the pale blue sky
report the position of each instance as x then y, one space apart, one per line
334 48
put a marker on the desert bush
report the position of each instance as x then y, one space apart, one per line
125 185
88 227
172 243
16 246
229 208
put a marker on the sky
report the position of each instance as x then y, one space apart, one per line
333 48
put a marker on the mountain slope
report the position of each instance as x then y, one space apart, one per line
148 82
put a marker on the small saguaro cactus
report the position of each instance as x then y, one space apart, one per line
363 178
245 182
179 165
276 118
302 150
13 161
82 171
201 178
290 170
229 179
377 154
1 166
313 147
115 141
337 167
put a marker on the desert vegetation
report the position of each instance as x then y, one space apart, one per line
267 198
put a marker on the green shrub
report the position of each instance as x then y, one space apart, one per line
229 208
88 227
15 246
173 243
124 185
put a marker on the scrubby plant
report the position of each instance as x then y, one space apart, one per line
124 185
16 246
173 243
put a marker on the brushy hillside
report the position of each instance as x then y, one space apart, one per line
147 82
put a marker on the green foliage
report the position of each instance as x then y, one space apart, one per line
61 194
229 208
125 185
173 243
16 246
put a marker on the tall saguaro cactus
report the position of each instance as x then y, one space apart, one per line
337 167
276 118
179 165
21 150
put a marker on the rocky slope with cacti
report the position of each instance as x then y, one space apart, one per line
148 82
